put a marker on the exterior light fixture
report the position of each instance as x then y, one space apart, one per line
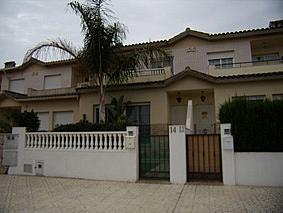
202 97
179 98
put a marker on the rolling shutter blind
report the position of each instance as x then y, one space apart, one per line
17 85
62 118
52 81
44 121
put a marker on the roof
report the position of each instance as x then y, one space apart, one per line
191 73
42 63
211 37
22 97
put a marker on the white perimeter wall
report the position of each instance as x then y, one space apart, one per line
116 165
98 165
249 168
259 168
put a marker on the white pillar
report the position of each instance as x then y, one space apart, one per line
177 146
133 132
228 158
19 169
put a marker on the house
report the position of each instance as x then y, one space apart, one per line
205 68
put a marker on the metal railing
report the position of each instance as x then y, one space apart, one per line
46 92
248 64
148 72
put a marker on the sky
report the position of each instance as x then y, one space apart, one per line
25 23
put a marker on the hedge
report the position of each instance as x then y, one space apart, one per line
257 126
85 126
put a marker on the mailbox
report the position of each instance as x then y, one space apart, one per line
227 138
228 142
130 140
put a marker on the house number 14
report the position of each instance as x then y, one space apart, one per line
177 129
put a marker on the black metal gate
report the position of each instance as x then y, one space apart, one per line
204 157
153 155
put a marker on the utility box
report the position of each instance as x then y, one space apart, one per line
10 150
39 168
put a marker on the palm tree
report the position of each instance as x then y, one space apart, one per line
102 57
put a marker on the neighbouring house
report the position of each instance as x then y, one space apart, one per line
205 68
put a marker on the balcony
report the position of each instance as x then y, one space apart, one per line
51 92
139 76
149 75
243 68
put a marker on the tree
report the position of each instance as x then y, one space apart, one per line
102 56
117 110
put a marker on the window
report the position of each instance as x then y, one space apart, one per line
255 98
60 118
221 62
52 81
251 98
277 97
17 85
44 120
139 114
267 57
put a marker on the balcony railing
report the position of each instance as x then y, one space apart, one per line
148 72
53 92
145 75
242 68
247 64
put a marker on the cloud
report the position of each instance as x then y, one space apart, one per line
25 23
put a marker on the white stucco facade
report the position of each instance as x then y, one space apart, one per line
34 76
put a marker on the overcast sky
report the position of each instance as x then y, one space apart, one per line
24 23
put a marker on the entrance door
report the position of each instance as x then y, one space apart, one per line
178 115
204 157
204 119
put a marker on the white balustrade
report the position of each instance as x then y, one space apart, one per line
106 141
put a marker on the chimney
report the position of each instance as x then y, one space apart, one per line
10 64
276 24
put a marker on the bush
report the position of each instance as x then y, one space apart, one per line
85 126
12 118
257 126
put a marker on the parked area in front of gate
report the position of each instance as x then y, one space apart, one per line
45 194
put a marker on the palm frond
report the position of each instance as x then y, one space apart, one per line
57 48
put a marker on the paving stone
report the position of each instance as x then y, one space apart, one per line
45 194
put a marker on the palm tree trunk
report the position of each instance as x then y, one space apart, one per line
102 104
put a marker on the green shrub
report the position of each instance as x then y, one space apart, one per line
85 126
14 118
257 126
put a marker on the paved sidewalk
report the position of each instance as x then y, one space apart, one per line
42 194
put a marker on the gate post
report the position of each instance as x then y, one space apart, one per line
228 159
177 148
19 169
